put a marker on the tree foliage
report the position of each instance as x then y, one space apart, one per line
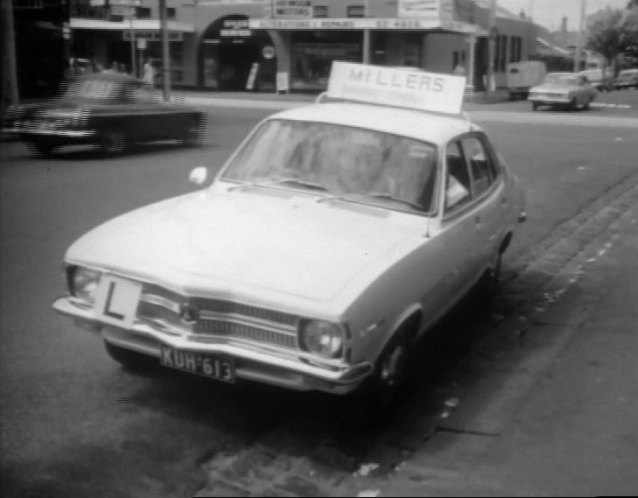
611 32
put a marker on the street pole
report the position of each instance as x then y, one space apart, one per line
366 35
166 71
131 13
491 42
579 44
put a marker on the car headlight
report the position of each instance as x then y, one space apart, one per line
83 283
324 339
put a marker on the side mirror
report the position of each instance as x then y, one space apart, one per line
198 176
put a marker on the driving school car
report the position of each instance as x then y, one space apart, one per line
330 241
110 110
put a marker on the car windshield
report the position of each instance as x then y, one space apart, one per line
560 79
349 163
92 89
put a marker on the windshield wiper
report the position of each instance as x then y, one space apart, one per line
374 195
288 181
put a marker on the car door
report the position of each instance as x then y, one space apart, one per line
489 198
153 119
458 235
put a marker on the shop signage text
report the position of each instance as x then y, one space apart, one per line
235 28
152 36
397 87
292 8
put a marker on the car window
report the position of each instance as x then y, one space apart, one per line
457 182
482 171
364 165
141 94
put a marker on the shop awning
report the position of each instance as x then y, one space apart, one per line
137 25
380 24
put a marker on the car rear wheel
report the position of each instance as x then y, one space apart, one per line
41 148
194 133
535 106
113 142
573 104
131 360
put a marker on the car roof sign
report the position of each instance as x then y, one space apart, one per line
400 87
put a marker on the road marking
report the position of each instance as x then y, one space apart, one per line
610 106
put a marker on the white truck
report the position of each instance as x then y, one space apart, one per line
521 76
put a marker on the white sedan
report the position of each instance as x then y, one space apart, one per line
565 90
332 239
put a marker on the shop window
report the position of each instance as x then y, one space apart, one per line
356 11
143 12
320 11
170 13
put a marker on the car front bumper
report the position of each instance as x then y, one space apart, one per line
252 363
50 134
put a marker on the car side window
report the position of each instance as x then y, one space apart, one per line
140 94
457 181
482 170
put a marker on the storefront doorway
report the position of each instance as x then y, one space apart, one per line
235 58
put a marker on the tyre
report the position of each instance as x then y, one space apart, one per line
131 360
573 104
41 148
389 376
193 135
113 142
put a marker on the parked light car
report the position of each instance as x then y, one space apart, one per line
627 78
334 237
566 90
601 79
110 110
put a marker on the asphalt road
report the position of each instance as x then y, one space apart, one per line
74 423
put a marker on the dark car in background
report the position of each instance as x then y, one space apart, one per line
108 110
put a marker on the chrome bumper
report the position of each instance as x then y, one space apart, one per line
50 132
283 369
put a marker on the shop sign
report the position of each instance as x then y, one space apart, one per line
268 52
235 28
419 8
421 90
153 36
292 8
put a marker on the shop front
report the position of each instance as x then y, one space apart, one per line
234 57
127 45
309 46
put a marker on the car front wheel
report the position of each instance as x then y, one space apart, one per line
194 133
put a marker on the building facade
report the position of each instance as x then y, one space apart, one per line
289 45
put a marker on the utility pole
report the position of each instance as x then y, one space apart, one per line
9 88
579 43
491 45
166 70
366 35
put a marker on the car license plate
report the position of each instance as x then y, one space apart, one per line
200 364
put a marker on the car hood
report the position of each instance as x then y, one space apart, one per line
276 241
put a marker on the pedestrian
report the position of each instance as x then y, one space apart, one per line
148 75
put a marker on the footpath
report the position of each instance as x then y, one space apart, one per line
572 430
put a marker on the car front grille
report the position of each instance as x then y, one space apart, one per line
217 319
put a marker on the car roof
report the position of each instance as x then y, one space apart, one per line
431 127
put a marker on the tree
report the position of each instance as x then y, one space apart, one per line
632 4
611 32
9 78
